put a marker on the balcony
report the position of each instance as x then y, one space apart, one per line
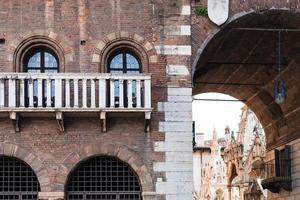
60 94
278 171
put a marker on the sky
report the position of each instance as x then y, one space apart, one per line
211 114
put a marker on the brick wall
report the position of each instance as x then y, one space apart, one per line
83 32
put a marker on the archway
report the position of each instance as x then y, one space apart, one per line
17 180
242 60
228 154
103 177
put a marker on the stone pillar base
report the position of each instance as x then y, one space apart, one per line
149 195
51 195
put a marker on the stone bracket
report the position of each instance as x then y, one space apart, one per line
60 121
147 121
103 121
149 196
15 120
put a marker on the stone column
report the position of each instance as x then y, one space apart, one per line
149 195
51 195
229 192
241 193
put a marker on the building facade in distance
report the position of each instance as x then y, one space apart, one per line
225 168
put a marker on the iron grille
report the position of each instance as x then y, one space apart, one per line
17 180
103 178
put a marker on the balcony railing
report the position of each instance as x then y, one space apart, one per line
78 92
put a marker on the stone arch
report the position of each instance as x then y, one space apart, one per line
139 45
235 17
60 44
121 152
212 34
261 101
31 159
232 171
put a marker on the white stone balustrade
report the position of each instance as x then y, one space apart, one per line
75 91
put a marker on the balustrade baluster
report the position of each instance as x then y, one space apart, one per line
58 93
12 92
93 93
102 93
112 93
30 92
147 93
76 91
84 93
138 93
121 93
49 92
129 93
40 92
22 92
68 93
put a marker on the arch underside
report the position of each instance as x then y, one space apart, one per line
242 58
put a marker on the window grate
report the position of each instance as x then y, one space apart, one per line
17 180
103 178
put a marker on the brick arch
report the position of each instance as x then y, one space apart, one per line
143 48
120 152
213 32
235 14
60 44
31 159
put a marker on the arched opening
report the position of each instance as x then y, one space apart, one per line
17 180
244 60
103 178
226 134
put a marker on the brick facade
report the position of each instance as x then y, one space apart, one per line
83 34
167 38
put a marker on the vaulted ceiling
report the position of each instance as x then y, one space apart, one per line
241 60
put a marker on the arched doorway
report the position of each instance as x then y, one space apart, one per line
243 61
103 178
17 180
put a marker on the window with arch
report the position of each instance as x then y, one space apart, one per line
103 178
17 180
125 61
40 59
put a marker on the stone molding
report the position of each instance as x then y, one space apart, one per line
121 152
133 41
59 43
51 195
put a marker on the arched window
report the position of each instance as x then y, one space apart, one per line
124 61
17 180
40 60
103 178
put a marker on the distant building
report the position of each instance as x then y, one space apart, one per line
209 169
226 168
